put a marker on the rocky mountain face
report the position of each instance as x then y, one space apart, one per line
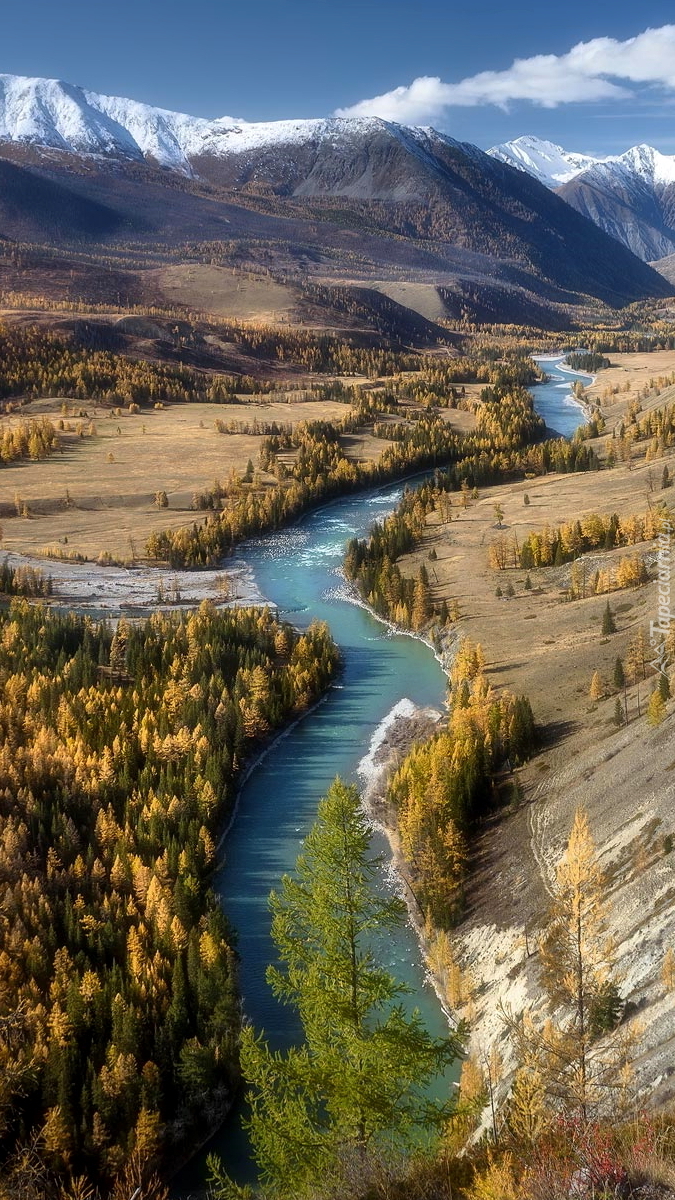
378 196
630 196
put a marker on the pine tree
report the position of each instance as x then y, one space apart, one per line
527 1107
637 655
619 676
358 1083
608 622
118 648
618 712
421 608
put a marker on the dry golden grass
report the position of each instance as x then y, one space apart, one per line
422 298
224 292
633 369
99 492
536 643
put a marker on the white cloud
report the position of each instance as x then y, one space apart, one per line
597 70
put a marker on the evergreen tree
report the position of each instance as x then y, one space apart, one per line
358 1084
118 648
581 1070
608 622
421 608
619 676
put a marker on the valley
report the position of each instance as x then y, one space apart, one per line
303 497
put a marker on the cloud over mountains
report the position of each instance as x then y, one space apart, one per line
603 69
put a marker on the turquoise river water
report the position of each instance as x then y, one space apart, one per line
298 570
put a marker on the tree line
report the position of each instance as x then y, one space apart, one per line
444 785
587 361
553 546
34 440
320 470
119 756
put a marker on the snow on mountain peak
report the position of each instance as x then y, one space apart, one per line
56 115
61 116
648 163
548 162
553 165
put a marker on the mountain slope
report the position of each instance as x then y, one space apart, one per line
378 196
630 196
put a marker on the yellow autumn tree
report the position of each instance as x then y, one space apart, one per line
597 688
656 709
580 1066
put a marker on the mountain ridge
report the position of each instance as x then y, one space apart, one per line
631 196
325 192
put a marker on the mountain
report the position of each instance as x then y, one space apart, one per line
357 198
630 196
666 267
546 161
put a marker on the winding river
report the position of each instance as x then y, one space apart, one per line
299 571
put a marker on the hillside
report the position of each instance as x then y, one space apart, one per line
357 197
631 196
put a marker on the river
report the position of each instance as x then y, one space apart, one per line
298 570
554 400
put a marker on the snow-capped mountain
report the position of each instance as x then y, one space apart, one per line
409 198
547 162
631 196
60 116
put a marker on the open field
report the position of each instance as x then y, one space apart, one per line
83 500
97 493
422 298
535 643
222 291
633 369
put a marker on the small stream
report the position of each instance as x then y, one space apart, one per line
298 570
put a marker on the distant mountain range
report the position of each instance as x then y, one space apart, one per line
631 196
341 197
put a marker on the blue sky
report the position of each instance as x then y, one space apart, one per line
269 59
